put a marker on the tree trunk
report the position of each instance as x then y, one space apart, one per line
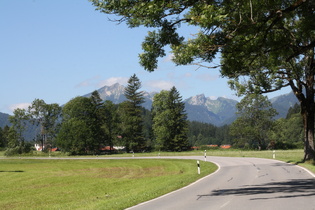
307 111
307 105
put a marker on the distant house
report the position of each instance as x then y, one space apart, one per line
42 147
212 145
39 147
54 149
107 148
225 146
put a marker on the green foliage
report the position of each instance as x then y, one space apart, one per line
288 133
202 134
110 125
254 122
47 116
293 110
147 129
76 133
4 132
169 121
132 130
16 145
18 121
16 142
75 136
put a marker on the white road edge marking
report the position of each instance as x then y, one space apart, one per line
225 204
162 196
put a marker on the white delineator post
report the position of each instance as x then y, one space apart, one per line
274 154
205 155
198 165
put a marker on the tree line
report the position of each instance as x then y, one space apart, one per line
84 125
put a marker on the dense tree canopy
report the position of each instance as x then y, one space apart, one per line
77 134
16 140
264 45
169 121
110 122
254 122
47 117
4 136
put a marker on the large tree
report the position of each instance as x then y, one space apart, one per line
76 134
264 45
47 117
16 141
254 122
170 125
132 116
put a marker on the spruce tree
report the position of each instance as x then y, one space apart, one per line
133 129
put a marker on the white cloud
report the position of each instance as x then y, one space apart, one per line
187 75
213 97
12 107
96 82
169 58
157 85
89 82
113 80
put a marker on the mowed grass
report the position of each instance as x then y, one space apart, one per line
92 184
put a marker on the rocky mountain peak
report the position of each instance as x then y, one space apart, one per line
197 100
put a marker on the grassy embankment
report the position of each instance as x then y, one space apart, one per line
91 184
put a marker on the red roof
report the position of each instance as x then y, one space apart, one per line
225 146
106 148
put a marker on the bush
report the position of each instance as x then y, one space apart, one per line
25 148
12 151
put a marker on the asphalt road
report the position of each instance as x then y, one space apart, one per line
243 183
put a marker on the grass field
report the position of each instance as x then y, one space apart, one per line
91 184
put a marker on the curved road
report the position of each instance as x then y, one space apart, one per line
243 183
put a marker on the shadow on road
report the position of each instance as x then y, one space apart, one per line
289 189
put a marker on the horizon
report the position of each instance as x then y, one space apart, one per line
208 97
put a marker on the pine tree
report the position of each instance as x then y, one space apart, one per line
133 130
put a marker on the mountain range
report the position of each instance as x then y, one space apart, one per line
199 108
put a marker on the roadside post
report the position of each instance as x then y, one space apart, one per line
274 154
198 165
205 155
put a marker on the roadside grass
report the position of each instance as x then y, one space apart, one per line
289 156
92 184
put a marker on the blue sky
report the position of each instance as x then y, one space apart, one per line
56 50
